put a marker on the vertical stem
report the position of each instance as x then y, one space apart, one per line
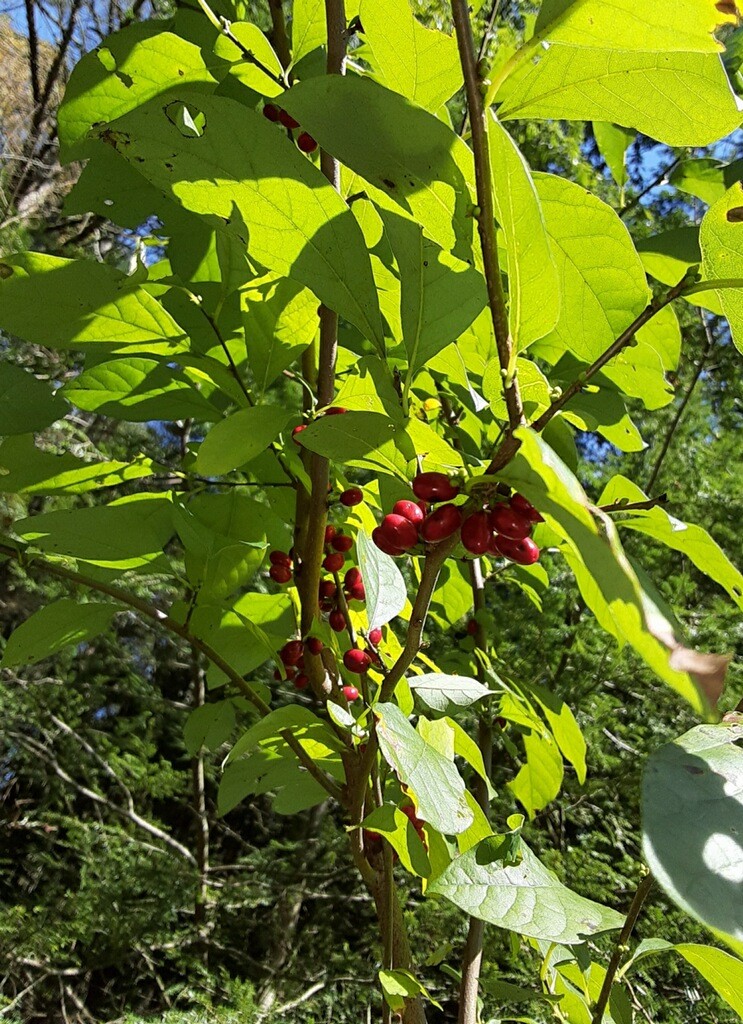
279 37
486 210
33 51
202 818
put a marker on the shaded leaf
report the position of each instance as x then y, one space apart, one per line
54 627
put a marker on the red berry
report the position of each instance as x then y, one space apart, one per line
409 510
314 644
509 523
287 120
298 430
335 410
352 577
271 111
380 539
330 532
280 573
307 144
441 523
277 675
409 811
375 636
327 589
301 681
521 505
356 661
476 533
291 653
350 693
399 531
523 551
333 562
357 592
337 620
472 627
327 604
342 542
434 487
280 558
353 496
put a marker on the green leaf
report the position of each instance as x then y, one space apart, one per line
26 403
125 535
539 780
24 469
420 63
240 438
386 593
525 898
68 304
533 283
721 241
613 142
639 371
692 797
136 64
440 295
447 694
243 643
209 726
396 827
280 320
244 70
723 971
138 390
308 27
691 540
295 223
563 727
402 151
57 625
399 986
436 784
606 580
706 178
300 721
601 278
534 387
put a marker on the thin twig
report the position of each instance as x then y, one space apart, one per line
660 179
634 506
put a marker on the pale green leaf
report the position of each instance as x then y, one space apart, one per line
534 387
721 241
61 624
398 830
244 70
692 799
533 284
723 971
280 320
420 63
308 27
26 403
239 438
436 785
300 721
386 593
539 779
399 986
447 694
613 142
706 178
525 898
563 727
639 370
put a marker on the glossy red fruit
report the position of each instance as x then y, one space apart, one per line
287 120
280 573
280 558
434 487
350 693
375 636
302 681
330 532
409 811
523 551
333 562
509 523
520 504
306 143
342 542
314 644
297 431
335 410
441 523
352 577
353 496
399 531
410 510
291 653
337 620
356 661
327 589
357 592
472 627
380 539
271 112
476 533
327 604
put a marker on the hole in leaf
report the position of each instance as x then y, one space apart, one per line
388 183
106 58
190 121
6 271
126 80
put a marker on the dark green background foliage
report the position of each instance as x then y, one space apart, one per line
124 894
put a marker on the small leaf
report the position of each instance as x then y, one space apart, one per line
240 438
57 625
447 694
613 142
692 798
435 782
538 781
399 986
245 71
398 830
209 726
280 320
386 593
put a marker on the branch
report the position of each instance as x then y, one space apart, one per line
634 506
632 914
33 51
63 727
222 25
486 211
660 179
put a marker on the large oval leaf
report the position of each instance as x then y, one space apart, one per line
693 824
447 694
386 593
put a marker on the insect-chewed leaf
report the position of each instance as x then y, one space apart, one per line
721 241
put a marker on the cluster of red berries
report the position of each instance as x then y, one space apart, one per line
502 529
282 566
292 656
304 140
